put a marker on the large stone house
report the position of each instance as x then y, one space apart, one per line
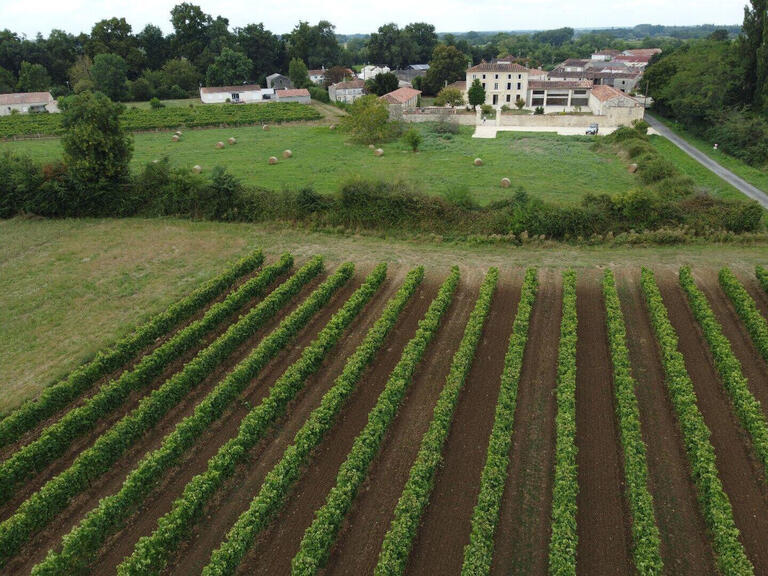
278 82
504 82
27 103
347 91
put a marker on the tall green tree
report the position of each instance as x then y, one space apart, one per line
448 65
155 46
391 47
190 30
229 68
7 81
182 73
109 74
753 51
476 94
262 47
97 150
298 73
33 78
368 120
315 45
424 39
115 36
382 84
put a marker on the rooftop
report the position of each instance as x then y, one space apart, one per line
25 98
349 85
499 66
238 88
605 93
558 84
400 96
291 93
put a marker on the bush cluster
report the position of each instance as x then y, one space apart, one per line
43 506
762 277
152 552
318 538
106 361
282 477
747 310
716 508
746 406
418 488
564 538
169 117
478 554
87 537
646 550
56 438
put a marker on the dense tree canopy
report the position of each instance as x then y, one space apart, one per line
448 64
229 68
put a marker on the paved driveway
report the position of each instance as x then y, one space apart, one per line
740 184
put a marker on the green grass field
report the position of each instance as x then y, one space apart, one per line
552 167
70 287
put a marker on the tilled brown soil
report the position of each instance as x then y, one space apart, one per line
755 290
685 548
113 479
145 521
105 423
752 364
602 517
523 532
276 546
357 547
446 524
739 470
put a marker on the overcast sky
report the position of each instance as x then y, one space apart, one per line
280 16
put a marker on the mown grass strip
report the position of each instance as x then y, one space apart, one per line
715 506
320 535
54 496
478 554
747 310
746 406
56 438
564 539
58 395
418 489
151 553
646 550
762 277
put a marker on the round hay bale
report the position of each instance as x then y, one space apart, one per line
632 168
371 146
378 152
175 138
219 145
505 183
287 153
265 127
478 162
232 141
178 132
197 168
332 127
272 160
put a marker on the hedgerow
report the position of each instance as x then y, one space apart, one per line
282 477
564 539
746 406
715 506
747 310
415 497
136 119
152 552
762 276
478 554
646 541
106 361
319 537
54 496
56 438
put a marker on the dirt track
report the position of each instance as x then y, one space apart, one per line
446 523
602 518
739 471
522 535
685 548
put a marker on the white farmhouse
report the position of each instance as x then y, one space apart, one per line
242 94
27 102
348 91
317 76
370 71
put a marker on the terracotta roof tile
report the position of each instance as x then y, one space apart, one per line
25 98
400 96
240 88
291 93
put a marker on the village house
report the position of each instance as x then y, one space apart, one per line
278 82
370 71
300 95
347 91
504 81
243 94
27 103
317 76
402 99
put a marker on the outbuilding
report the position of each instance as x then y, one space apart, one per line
27 103
300 95
243 94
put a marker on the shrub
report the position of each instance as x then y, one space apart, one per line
449 96
412 138
368 120
320 94
155 104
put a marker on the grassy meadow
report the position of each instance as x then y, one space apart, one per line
70 287
552 167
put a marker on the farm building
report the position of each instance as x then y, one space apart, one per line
300 95
243 94
608 101
278 82
27 103
403 98
346 91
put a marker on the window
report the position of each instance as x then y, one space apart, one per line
519 86
474 76
483 85
483 76
234 97
495 85
509 98
509 76
509 85
496 77
519 76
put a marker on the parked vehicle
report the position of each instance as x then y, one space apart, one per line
592 130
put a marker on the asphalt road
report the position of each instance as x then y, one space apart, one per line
741 185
